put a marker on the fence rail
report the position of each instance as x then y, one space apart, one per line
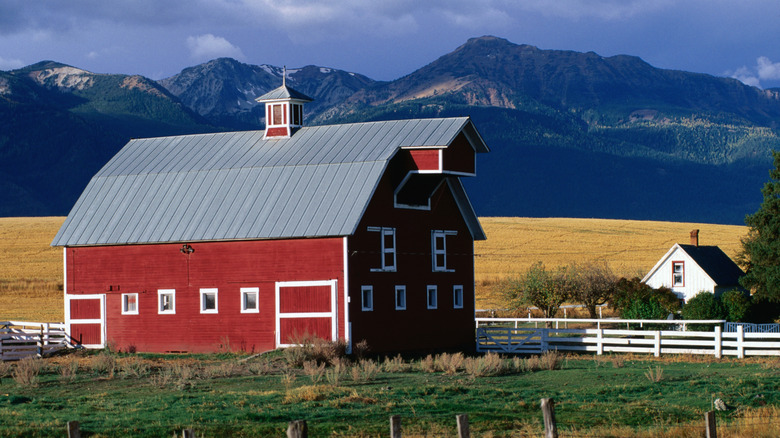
524 340
20 339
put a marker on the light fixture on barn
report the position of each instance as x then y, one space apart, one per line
186 249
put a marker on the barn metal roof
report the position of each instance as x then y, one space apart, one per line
236 185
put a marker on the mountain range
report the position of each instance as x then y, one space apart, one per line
572 134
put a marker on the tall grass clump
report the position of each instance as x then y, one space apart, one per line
26 371
491 364
395 365
365 371
104 364
312 348
449 363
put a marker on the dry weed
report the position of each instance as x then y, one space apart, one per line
26 371
449 364
314 370
395 365
365 371
68 369
104 363
491 364
656 375
427 364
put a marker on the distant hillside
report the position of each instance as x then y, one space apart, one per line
571 134
224 90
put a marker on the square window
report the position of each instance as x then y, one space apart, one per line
129 304
387 248
457 297
433 298
439 249
400 298
367 297
208 301
166 301
250 300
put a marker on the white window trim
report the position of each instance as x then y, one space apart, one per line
385 231
367 307
457 290
246 291
160 294
432 290
203 293
682 273
435 250
400 290
124 304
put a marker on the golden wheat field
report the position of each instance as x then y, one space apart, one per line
31 270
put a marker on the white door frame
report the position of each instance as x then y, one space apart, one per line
102 320
333 314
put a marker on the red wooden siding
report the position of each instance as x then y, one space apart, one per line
417 327
304 299
425 159
460 157
276 132
225 266
85 309
85 334
294 329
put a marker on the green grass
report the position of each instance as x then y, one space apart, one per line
154 395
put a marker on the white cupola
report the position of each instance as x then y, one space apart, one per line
283 110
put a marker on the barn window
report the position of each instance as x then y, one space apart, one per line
166 301
439 250
400 298
208 300
387 248
367 297
129 304
457 296
249 300
433 297
678 273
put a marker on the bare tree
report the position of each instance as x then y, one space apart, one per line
593 284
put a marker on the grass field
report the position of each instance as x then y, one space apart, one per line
226 395
31 270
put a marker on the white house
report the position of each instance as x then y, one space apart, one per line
690 269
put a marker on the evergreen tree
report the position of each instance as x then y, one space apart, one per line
761 247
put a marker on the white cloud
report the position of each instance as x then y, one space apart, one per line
767 70
208 46
10 64
746 76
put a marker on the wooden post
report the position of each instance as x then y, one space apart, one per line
718 342
395 426
548 410
188 433
657 344
463 426
740 342
297 429
73 429
711 429
599 341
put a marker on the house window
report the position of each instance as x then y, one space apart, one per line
129 304
387 248
208 301
439 250
433 297
400 298
367 297
249 300
678 273
166 301
457 296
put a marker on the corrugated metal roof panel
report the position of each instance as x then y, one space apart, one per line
237 185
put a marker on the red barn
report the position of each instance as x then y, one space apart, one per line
245 240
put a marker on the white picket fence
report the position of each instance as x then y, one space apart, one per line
20 339
519 338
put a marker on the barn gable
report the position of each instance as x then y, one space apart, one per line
240 186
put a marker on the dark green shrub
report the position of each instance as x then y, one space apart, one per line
737 304
636 300
703 306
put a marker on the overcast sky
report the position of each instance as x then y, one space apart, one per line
386 39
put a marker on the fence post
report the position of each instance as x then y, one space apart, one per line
548 410
395 426
657 345
188 433
463 426
73 429
711 429
543 340
718 342
740 342
599 341
297 429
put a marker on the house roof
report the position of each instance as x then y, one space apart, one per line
237 186
711 259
